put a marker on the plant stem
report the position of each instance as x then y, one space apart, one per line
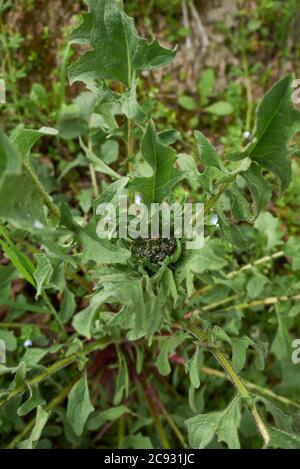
254 387
93 173
27 307
157 423
19 325
260 424
172 424
121 432
152 403
219 303
94 180
262 260
272 300
54 313
214 198
18 259
62 87
57 366
129 143
186 24
248 86
234 378
54 210
53 404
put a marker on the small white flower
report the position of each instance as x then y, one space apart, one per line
247 134
138 199
38 225
214 219
27 343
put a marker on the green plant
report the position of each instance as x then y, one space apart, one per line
126 310
8 44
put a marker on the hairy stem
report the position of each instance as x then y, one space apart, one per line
260 424
172 424
234 378
53 209
262 260
214 198
52 369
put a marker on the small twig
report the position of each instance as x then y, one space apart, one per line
219 303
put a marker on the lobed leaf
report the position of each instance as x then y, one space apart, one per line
119 53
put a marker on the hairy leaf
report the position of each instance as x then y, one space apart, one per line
24 139
41 419
161 159
79 406
224 425
277 120
119 53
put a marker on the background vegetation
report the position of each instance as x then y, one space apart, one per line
229 54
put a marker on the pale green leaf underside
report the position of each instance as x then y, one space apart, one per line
24 139
40 422
223 425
